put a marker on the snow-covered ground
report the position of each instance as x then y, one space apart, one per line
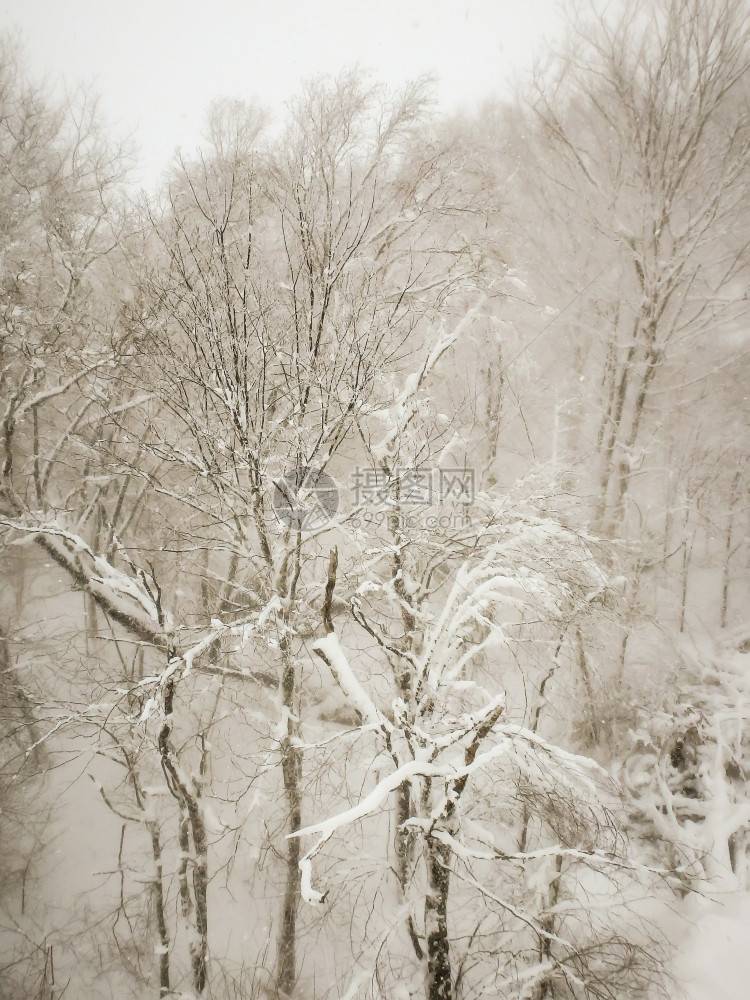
713 962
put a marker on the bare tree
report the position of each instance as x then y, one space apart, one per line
643 159
444 730
290 281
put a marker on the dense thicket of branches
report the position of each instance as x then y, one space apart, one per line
432 725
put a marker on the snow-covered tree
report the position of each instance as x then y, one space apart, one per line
285 285
640 148
491 819
366 364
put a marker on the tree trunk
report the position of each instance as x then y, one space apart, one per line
687 552
615 408
624 466
160 907
199 948
18 708
194 908
438 983
728 551
588 683
547 922
404 841
291 768
403 838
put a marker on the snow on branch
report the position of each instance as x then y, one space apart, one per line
453 771
368 805
127 600
590 775
330 652
477 724
405 407
478 589
568 779
519 914
475 589
133 600
57 390
184 660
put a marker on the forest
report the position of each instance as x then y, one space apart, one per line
374 533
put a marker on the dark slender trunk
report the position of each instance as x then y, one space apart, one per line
20 707
206 602
588 683
523 840
624 467
199 948
687 552
404 838
225 602
159 905
35 435
404 842
547 922
186 900
194 906
615 407
725 580
291 769
438 855
89 604
438 983
728 552
623 656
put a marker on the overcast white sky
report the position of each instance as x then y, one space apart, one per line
158 63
